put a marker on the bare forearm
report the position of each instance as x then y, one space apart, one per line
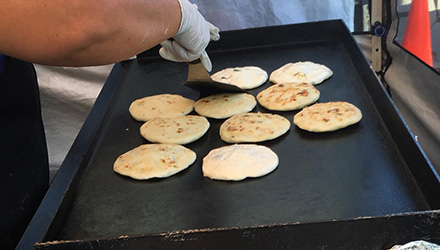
79 32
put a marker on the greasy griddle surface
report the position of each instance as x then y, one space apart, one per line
353 172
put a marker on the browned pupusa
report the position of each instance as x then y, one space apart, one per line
225 105
288 96
178 130
154 161
163 105
253 127
328 116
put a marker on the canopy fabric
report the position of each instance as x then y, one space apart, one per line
241 14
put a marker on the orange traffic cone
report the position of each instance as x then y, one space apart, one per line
417 37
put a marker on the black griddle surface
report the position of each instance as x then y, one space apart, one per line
354 172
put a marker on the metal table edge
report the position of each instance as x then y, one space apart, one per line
188 237
54 197
407 136
51 203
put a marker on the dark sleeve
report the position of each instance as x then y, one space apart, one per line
24 171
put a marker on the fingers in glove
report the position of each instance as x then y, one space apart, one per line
173 51
165 53
213 32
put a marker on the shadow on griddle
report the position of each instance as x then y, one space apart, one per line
156 180
245 182
334 135
279 140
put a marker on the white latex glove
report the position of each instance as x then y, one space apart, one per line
191 39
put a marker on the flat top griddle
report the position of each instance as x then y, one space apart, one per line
361 171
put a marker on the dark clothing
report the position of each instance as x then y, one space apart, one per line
24 170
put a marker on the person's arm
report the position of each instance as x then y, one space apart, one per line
84 32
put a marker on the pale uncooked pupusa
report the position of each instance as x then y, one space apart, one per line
239 161
247 77
301 72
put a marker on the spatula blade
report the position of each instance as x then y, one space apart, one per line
200 80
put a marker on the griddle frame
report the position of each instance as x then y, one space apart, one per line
61 192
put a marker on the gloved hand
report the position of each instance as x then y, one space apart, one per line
191 39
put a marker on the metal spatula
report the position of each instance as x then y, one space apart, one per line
200 80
